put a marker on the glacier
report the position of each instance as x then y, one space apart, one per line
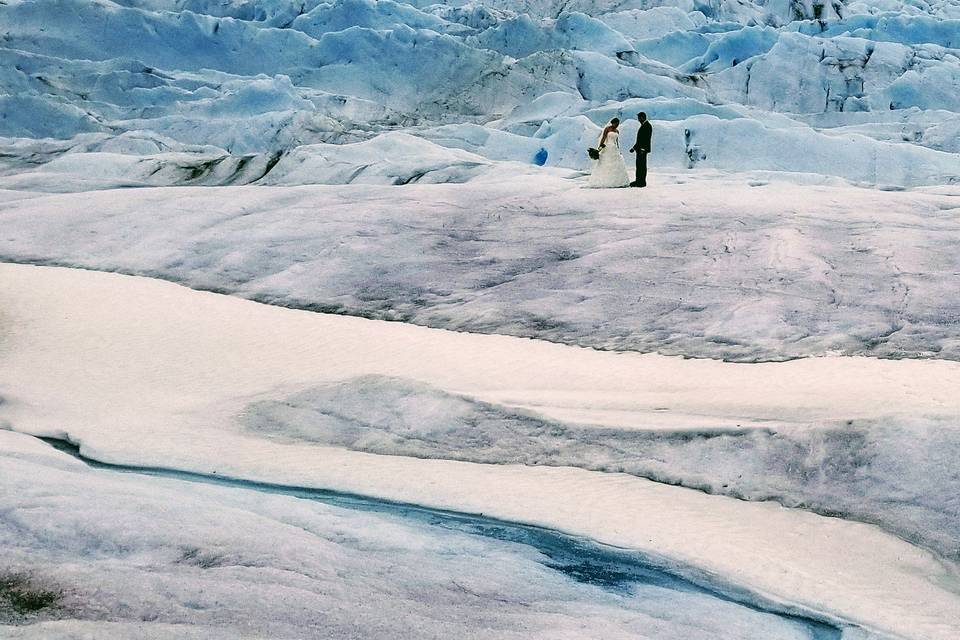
371 362
746 269
894 473
153 377
869 85
189 576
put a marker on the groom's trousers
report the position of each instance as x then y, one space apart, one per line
641 178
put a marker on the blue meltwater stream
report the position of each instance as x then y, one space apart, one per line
612 569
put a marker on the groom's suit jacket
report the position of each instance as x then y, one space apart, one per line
643 138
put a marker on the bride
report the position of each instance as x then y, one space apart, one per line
610 170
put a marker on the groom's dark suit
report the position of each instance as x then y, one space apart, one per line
642 148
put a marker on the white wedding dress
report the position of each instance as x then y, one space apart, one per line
610 170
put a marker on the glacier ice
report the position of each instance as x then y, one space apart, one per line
151 557
343 116
142 373
761 271
895 473
300 74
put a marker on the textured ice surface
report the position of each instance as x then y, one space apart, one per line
369 93
301 74
897 473
718 268
146 373
129 555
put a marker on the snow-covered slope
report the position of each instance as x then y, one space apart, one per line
767 270
141 373
869 90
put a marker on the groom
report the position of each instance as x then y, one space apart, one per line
642 148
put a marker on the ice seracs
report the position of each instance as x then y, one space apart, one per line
348 70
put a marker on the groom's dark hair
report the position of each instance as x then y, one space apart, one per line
642 116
